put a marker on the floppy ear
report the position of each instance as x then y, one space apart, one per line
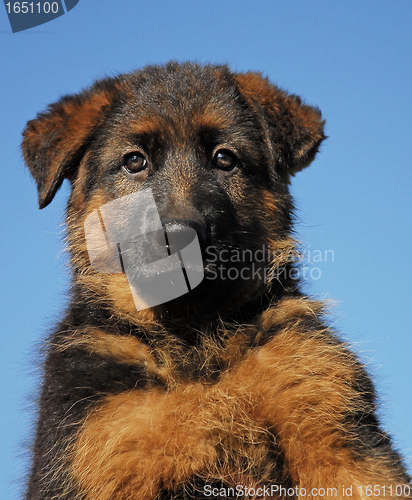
294 130
54 143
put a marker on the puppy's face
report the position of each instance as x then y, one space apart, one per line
214 149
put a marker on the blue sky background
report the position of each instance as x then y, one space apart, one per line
353 59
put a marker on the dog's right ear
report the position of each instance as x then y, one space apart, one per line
54 143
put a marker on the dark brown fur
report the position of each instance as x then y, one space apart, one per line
239 382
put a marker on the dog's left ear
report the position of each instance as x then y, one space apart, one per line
295 130
54 143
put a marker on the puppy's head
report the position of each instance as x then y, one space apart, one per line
170 158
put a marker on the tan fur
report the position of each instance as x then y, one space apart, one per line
124 349
293 390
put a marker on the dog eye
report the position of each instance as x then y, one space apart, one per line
225 160
135 163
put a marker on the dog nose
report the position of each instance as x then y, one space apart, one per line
180 233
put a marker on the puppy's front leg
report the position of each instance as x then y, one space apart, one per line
139 442
316 398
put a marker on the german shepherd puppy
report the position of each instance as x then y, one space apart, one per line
181 375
